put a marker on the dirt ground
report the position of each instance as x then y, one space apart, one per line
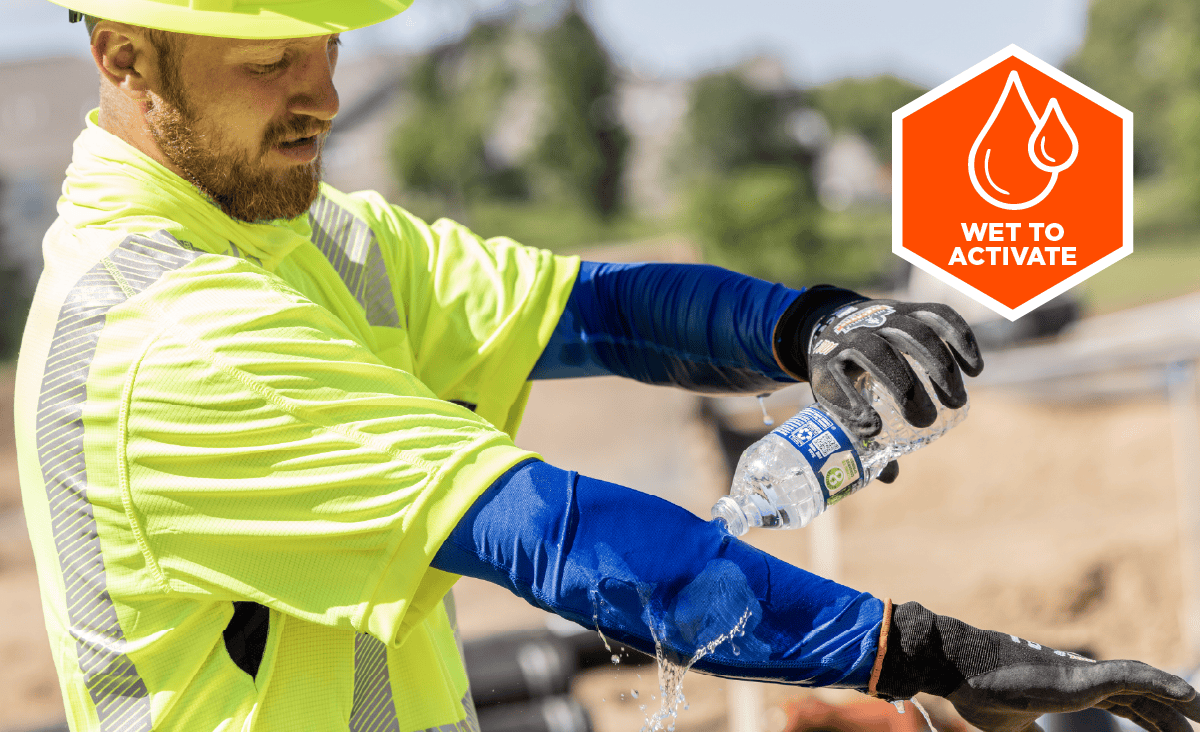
1054 522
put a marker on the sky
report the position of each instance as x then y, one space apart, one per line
925 41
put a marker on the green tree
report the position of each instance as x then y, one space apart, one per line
16 298
581 153
577 146
1145 55
865 106
439 150
731 125
761 220
750 201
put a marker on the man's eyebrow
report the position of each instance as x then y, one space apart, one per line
253 49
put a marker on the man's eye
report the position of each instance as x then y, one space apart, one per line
263 69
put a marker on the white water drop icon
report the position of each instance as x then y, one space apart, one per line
1015 150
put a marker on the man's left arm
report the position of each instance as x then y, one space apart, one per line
692 326
711 330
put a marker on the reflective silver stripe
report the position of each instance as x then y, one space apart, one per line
122 702
471 723
351 247
373 709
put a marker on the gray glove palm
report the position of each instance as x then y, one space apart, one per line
829 336
1001 683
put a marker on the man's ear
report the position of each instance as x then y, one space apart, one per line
126 59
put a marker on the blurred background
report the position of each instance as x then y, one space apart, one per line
756 136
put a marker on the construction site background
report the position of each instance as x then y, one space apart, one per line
1064 509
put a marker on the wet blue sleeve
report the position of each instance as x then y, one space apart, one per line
694 326
643 570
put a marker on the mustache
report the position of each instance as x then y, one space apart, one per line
295 129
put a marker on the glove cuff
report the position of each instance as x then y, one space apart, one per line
884 630
916 658
794 331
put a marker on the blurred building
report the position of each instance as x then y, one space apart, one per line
653 112
41 113
847 173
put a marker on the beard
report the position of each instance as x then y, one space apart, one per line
239 184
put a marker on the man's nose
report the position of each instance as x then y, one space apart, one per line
315 94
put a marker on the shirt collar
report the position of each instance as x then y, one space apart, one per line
110 183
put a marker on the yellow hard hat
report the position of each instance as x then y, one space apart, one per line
243 18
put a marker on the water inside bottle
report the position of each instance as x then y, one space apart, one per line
898 437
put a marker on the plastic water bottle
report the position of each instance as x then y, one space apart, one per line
811 462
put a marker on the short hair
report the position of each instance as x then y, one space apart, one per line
165 43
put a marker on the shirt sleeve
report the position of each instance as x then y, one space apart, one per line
478 312
266 455
654 576
694 326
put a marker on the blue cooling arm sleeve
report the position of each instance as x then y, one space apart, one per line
690 325
643 570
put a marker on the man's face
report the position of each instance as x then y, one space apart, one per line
246 120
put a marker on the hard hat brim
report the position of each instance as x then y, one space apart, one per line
258 19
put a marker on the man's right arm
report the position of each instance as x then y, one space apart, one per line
648 574
645 571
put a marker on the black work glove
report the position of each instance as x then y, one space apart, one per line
1001 683
830 336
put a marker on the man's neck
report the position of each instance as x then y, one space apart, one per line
126 119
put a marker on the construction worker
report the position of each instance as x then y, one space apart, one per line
264 425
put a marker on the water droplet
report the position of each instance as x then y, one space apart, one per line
1053 145
642 707
736 651
762 404
616 659
635 693
687 707
596 605
1004 164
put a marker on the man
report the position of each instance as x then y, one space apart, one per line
264 425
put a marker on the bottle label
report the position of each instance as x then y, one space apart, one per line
828 450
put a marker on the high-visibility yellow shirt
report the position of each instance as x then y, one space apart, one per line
294 414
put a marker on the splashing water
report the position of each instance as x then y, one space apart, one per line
596 604
762 404
615 658
924 714
899 704
670 675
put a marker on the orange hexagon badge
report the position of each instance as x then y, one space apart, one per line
1012 182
